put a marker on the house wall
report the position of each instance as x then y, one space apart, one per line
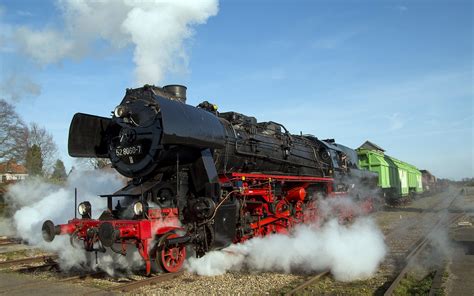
6 177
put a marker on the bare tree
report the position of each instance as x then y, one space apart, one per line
93 163
13 134
42 138
100 163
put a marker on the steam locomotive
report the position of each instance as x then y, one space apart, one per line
200 179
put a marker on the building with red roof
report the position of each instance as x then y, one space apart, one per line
11 171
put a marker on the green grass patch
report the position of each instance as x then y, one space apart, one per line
414 285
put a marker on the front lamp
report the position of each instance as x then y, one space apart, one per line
139 208
85 209
120 111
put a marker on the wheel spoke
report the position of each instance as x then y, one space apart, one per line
171 259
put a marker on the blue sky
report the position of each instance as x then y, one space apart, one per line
397 73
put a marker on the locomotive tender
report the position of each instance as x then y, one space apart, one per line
200 178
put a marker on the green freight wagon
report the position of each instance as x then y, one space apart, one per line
398 180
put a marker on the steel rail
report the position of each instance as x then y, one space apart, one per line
418 247
82 276
437 282
47 265
133 285
6 241
309 282
8 263
60 280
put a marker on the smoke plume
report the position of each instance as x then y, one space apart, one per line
156 28
350 252
34 201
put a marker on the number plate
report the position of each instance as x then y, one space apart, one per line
128 151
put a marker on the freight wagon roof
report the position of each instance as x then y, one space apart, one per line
371 146
386 160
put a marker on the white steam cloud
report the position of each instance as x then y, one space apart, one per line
350 252
35 201
156 28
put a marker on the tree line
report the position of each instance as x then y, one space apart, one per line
30 145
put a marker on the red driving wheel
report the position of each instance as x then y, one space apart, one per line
170 259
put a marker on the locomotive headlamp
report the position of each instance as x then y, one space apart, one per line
139 208
85 209
120 111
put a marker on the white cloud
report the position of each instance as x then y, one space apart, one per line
5 33
157 30
45 46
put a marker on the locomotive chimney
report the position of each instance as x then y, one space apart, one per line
176 90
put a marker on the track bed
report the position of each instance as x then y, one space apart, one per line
403 228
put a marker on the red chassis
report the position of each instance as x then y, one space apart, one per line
275 204
148 235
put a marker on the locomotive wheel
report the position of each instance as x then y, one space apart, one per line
170 259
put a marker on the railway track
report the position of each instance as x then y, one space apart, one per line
136 284
49 264
38 259
8 241
83 276
308 283
46 284
402 239
418 249
133 285
435 208
402 242
401 252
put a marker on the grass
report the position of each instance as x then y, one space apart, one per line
413 285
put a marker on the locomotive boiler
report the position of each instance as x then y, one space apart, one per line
199 179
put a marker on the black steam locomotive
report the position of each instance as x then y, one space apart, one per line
201 178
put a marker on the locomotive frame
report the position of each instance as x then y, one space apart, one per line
161 240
